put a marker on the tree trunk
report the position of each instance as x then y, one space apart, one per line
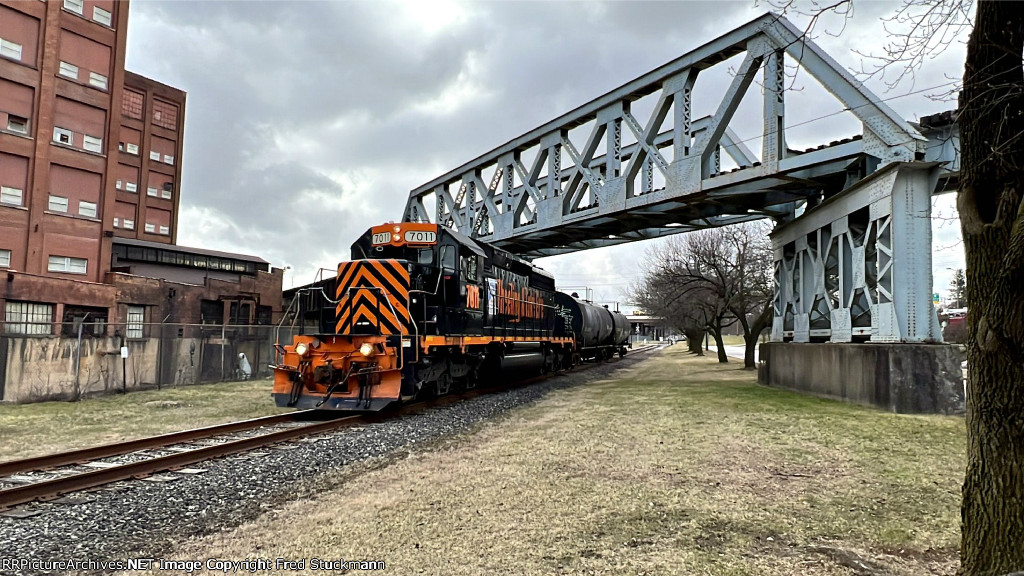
721 346
752 333
694 341
992 219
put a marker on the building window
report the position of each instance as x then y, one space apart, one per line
165 114
69 70
131 104
151 228
98 80
92 321
117 222
12 196
118 184
76 6
58 203
165 230
10 49
136 317
132 148
67 264
154 155
17 124
166 192
63 136
131 187
100 15
168 159
28 318
129 224
5 258
151 191
87 209
93 144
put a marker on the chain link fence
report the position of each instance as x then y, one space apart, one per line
42 360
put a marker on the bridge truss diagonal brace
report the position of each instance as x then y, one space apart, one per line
542 208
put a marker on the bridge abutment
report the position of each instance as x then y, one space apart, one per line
900 377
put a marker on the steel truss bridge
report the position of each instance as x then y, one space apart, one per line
855 265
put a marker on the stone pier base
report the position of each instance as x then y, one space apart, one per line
902 378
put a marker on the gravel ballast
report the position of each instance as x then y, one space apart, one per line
143 519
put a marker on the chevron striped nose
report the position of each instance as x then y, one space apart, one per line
373 298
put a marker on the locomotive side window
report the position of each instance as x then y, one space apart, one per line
469 269
448 258
425 256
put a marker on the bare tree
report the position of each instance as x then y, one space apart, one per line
713 278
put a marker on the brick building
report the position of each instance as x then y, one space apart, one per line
90 166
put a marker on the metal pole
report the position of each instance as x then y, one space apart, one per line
223 335
124 368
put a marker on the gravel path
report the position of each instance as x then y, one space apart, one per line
140 519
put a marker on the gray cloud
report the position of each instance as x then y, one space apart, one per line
308 122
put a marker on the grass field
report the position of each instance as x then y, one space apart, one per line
47 427
679 466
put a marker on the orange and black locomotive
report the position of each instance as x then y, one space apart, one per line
421 309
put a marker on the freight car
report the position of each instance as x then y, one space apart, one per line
424 310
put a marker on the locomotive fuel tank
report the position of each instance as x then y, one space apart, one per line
591 325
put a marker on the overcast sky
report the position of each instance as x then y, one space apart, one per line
309 122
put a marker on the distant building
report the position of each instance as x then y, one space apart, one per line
90 171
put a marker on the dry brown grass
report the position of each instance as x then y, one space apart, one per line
47 427
680 466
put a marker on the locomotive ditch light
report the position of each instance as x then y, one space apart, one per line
366 349
398 229
302 349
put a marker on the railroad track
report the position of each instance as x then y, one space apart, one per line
48 477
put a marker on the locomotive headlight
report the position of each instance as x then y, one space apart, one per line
366 349
301 349
398 229
397 237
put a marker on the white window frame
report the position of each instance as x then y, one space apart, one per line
136 319
10 49
165 230
17 124
8 194
150 191
168 159
129 224
5 258
131 148
117 222
58 132
67 265
76 6
92 144
131 187
68 70
18 314
118 184
87 209
150 228
102 16
57 204
166 194
154 155
98 80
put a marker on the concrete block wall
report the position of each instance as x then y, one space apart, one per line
902 378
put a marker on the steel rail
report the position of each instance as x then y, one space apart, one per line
118 448
49 489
